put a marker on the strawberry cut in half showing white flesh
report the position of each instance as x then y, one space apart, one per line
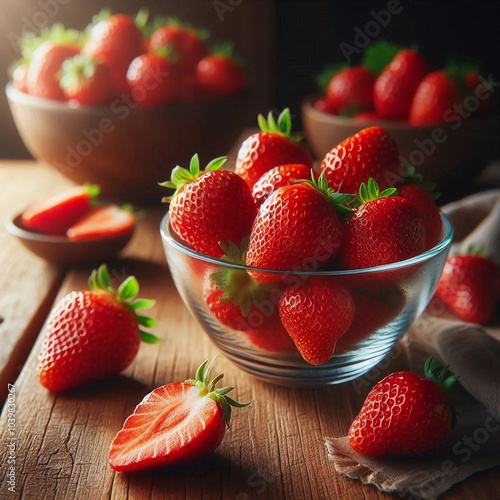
176 423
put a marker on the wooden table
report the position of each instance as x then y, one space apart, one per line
274 448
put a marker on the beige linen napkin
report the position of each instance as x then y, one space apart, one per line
473 352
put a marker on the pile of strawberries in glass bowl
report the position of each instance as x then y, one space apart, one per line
444 120
301 275
114 104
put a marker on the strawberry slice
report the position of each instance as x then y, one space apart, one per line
176 423
102 222
56 214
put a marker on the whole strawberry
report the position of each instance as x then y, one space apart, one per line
316 314
371 152
469 286
350 91
385 228
405 414
296 227
93 334
395 86
116 41
209 206
278 177
174 424
273 145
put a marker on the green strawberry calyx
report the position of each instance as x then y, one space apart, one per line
411 176
282 125
370 191
237 285
126 294
379 54
206 386
77 71
441 375
181 176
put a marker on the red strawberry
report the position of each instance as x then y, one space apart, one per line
297 226
482 91
395 86
469 286
271 336
367 116
231 295
371 152
56 214
321 104
42 77
93 334
102 222
176 423
436 95
350 91
220 73
307 311
152 80
86 81
188 44
405 414
209 206
374 309
278 177
422 196
116 41
384 229
273 146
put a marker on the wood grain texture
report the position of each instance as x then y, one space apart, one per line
274 449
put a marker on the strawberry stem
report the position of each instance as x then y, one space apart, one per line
369 192
411 176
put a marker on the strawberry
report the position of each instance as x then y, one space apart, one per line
273 145
152 80
321 104
42 77
220 73
102 222
56 214
436 95
18 74
277 177
231 295
306 312
297 226
187 43
176 423
93 334
350 91
86 81
478 88
469 286
371 152
422 196
367 116
116 41
209 206
271 336
384 229
405 414
395 86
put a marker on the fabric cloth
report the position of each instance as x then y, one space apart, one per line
473 352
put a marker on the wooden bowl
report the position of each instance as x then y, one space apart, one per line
441 152
124 149
60 250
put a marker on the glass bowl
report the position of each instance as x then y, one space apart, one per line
387 300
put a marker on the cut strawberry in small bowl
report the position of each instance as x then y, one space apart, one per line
305 325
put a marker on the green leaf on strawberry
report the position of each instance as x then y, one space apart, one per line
379 54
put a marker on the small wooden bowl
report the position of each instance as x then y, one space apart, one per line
60 250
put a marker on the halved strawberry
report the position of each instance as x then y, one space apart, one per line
176 423
56 214
102 222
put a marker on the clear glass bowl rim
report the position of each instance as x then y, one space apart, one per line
418 259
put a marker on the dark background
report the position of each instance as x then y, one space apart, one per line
285 43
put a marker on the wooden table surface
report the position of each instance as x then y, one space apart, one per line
274 449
